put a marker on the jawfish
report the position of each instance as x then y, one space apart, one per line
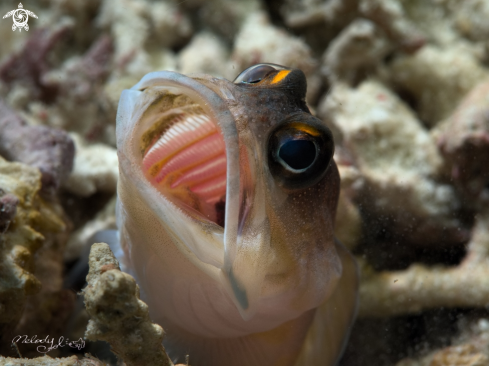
226 203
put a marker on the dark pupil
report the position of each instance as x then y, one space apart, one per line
257 74
298 154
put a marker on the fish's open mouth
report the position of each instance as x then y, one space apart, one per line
184 156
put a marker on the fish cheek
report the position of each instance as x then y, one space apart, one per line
304 257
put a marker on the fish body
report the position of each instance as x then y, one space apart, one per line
226 202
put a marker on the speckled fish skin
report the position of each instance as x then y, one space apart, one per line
272 287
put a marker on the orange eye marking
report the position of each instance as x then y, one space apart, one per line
280 76
305 128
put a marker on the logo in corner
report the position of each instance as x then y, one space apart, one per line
20 17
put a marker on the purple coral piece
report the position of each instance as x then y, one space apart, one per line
49 149
30 64
97 59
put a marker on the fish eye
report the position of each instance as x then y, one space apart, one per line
256 73
299 153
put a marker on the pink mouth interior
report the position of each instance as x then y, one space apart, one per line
188 164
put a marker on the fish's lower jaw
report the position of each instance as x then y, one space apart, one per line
280 346
202 306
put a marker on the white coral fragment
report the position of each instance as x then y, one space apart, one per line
358 48
396 156
95 169
420 287
206 53
133 23
437 77
260 41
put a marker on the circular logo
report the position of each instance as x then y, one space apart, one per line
20 18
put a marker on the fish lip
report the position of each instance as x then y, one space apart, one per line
199 89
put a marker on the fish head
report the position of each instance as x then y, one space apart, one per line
241 179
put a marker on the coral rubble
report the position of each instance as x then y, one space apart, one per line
464 142
30 263
419 287
437 76
48 149
119 317
398 160
49 361
95 169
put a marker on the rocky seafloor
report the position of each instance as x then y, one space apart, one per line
403 84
